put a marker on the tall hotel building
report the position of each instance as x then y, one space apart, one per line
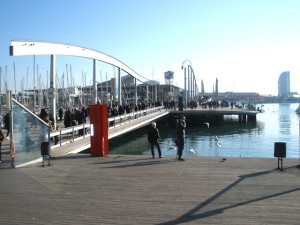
284 84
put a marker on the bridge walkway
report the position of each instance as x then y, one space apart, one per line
122 125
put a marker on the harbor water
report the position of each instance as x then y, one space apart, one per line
277 123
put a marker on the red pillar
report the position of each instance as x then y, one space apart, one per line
99 130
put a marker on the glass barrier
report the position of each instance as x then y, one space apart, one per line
28 134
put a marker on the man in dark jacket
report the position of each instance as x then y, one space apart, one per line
153 138
7 124
68 118
180 130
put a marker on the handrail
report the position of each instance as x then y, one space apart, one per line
117 122
31 113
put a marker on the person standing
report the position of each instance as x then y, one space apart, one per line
68 118
180 130
153 138
7 124
60 113
1 139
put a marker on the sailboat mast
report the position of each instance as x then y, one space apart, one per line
15 80
34 97
6 85
0 90
82 88
27 87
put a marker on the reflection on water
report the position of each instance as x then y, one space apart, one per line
284 119
279 123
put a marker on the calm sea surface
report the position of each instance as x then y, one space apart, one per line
278 123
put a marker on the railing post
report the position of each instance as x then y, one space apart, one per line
84 130
73 132
60 138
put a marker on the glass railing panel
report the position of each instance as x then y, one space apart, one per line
28 134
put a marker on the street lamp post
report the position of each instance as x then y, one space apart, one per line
188 77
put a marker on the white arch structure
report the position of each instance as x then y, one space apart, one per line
191 88
18 48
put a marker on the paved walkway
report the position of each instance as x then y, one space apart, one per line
78 189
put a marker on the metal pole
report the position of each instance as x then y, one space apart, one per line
0 91
189 82
34 100
52 89
94 93
135 91
185 94
147 93
119 87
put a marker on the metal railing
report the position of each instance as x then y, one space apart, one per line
71 134
133 116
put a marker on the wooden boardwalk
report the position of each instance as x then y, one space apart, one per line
78 189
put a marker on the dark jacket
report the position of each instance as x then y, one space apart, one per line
1 137
153 134
6 122
180 130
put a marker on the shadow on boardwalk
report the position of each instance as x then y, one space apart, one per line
135 163
194 214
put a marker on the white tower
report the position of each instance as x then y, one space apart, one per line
169 75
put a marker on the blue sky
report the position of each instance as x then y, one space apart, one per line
246 44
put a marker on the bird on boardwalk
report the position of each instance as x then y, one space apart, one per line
207 124
192 151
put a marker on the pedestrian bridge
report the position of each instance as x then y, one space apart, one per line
68 139
69 142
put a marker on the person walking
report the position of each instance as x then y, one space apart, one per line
153 138
180 130
1 139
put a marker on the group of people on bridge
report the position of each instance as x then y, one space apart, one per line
73 116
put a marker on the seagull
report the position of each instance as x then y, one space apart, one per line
192 151
218 143
172 148
207 124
